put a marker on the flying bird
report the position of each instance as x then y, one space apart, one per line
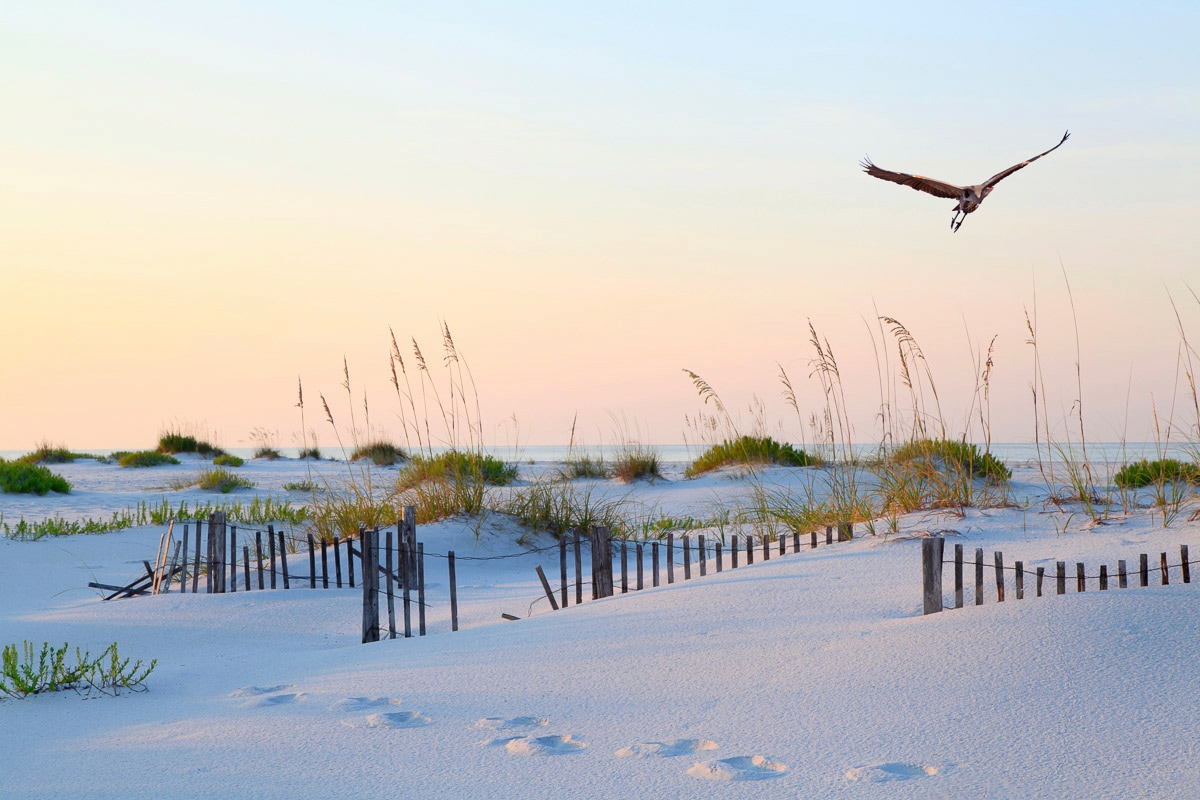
968 197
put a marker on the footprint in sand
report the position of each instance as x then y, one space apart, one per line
541 745
269 700
510 723
391 720
364 703
675 747
739 768
884 773
254 691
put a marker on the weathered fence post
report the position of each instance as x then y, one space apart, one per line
312 562
1080 577
406 575
958 576
1144 569
390 583
579 569
687 557
640 568
337 560
978 576
749 549
1122 575
233 554
1020 580
1183 560
654 563
324 563
931 568
733 551
283 565
562 568
1041 574
1162 567
670 558
602 568
453 592
271 547
717 554
999 576
813 544
845 531
219 561
1104 577
828 534
421 588
368 553
700 548
196 564
258 558
246 565
546 588
1060 577
350 558
624 566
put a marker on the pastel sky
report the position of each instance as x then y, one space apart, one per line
202 203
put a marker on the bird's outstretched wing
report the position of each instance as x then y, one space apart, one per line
921 184
999 176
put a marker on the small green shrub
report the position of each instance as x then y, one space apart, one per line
144 458
750 450
951 454
47 453
299 486
19 477
219 479
52 671
382 454
1168 470
269 453
227 460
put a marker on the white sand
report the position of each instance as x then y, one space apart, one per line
811 675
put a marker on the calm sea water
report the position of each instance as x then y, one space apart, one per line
1113 452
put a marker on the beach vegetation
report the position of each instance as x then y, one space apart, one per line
219 479
25 670
380 453
228 460
636 462
1166 470
268 453
749 451
143 458
22 477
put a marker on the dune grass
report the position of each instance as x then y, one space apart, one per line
227 460
749 451
48 453
636 462
380 453
1147 473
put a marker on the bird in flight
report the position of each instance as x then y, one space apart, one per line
968 197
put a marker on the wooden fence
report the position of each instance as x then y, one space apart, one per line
933 563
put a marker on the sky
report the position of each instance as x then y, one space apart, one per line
203 205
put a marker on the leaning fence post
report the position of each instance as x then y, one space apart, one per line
1162 562
931 568
546 588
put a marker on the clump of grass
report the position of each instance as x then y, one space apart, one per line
19 477
949 454
558 508
585 467
750 450
299 486
269 453
313 453
143 458
227 460
48 453
636 462
219 479
52 671
456 465
381 453
174 441
1167 470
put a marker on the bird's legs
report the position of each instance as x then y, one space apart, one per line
957 220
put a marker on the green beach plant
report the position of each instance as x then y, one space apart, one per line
227 460
143 458
27 671
750 451
19 477
219 479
